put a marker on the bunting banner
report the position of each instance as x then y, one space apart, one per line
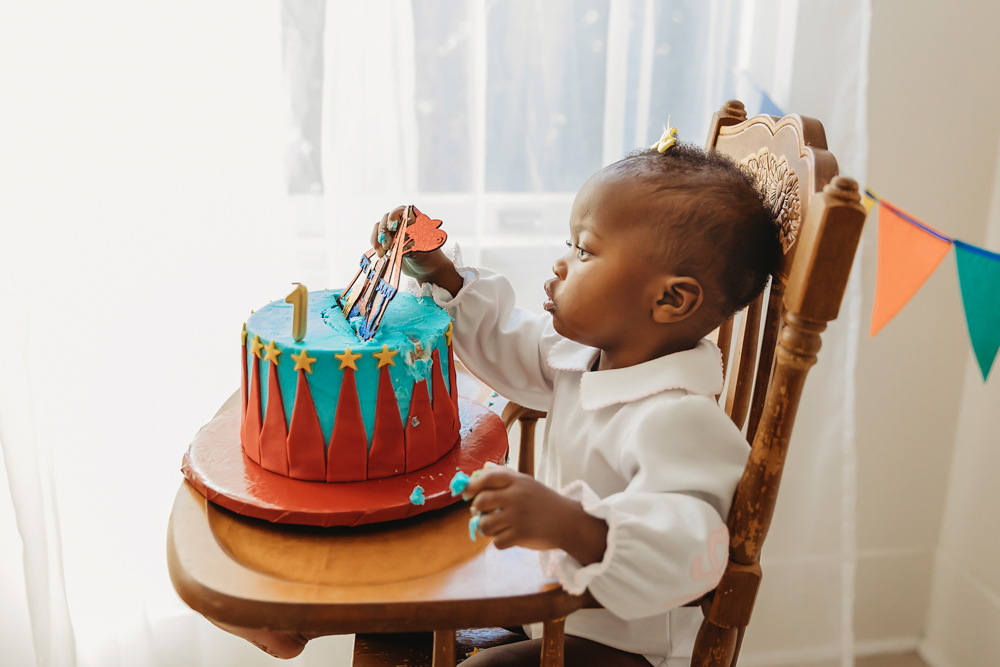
910 250
979 280
908 253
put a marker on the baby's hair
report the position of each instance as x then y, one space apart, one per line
714 221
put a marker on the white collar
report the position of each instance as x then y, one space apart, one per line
697 371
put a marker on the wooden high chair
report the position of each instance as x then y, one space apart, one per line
764 383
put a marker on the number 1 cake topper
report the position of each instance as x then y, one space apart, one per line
377 282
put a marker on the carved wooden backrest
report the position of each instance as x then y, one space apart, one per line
789 160
821 219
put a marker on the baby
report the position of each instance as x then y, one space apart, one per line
639 463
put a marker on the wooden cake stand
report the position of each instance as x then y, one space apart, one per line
416 574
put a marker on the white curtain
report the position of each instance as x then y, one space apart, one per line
167 166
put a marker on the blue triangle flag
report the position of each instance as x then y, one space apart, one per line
768 106
979 280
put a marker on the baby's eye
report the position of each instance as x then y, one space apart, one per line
580 252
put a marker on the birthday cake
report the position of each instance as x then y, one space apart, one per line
336 407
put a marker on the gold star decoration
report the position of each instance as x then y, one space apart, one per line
272 353
385 356
256 346
347 359
448 332
303 361
244 333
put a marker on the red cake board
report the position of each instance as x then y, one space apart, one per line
216 465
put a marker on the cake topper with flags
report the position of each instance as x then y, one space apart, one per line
377 281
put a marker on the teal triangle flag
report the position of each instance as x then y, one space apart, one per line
979 279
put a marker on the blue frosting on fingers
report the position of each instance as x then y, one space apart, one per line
458 483
474 526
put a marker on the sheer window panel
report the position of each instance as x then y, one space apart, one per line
534 217
693 58
457 213
527 268
544 93
443 29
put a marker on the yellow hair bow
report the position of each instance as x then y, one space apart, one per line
667 139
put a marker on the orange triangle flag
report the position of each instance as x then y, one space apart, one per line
907 256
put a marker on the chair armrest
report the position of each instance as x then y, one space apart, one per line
528 418
514 412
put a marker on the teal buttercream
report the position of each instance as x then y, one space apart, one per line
474 526
408 321
458 483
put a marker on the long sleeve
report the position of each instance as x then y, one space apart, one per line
504 346
667 540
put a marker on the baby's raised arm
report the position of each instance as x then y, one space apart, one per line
504 346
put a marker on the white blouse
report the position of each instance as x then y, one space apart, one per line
646 448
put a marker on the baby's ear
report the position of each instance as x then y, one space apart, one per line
677 298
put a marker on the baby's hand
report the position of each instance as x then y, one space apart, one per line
518 511
426 267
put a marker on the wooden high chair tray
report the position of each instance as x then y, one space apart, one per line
217 467
413 575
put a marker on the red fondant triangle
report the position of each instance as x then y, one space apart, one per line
451 374
250 432
421 435
387 456
347 457
243 394
274 434
306 447
453 386
444 409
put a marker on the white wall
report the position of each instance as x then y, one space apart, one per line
934 107
963 621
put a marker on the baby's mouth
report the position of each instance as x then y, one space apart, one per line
549 304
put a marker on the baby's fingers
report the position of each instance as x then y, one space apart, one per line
493 524
498 477
380 240
385 229
489 500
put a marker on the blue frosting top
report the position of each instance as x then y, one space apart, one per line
414 326
407 319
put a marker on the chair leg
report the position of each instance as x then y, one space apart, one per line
553 642
714 646
444 648
739 643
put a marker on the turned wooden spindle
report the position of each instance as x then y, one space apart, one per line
528 419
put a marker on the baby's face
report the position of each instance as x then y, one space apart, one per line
601 289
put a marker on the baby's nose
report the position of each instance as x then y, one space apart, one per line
559 268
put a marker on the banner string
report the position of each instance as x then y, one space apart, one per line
906 216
